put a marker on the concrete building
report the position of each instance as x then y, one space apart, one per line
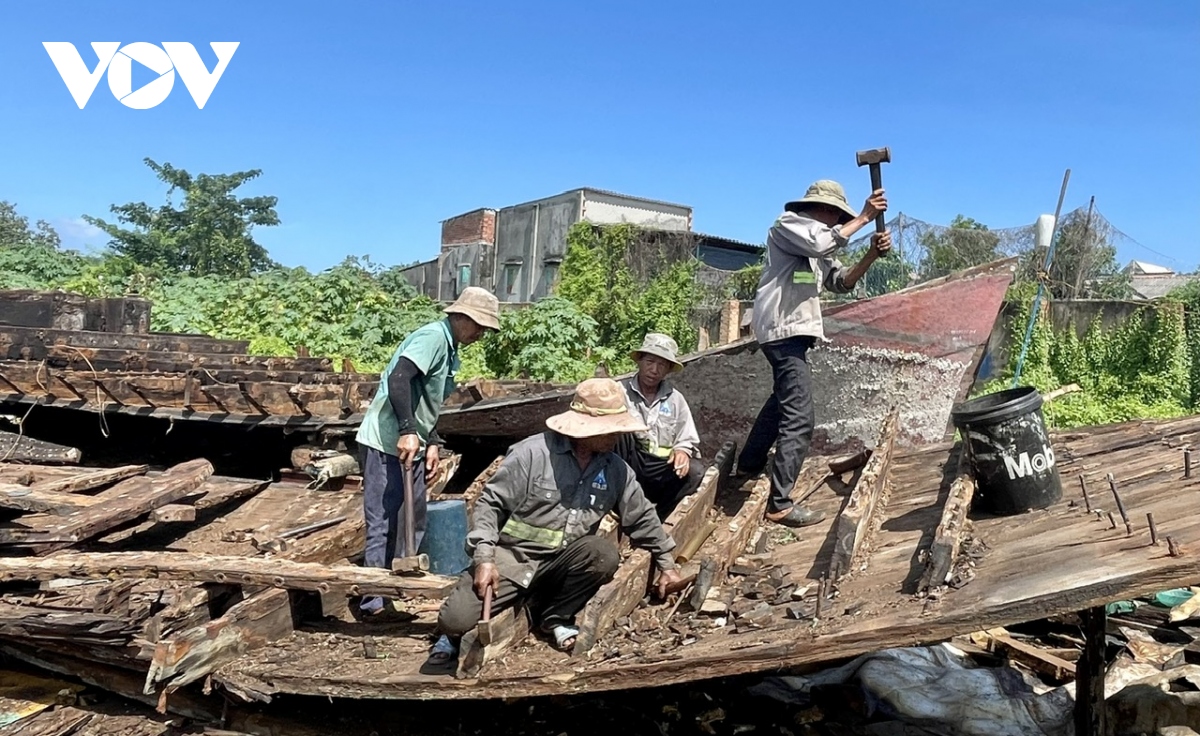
1151 281
516 251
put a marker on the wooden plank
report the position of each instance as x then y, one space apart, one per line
195 653
125 502
110 359
481 480
621 595
509 627
853 526
947 537
1036 659
731 538
1090 714
90 479
174 513
21 449
687 523
114 680
348 580
149 342
39 624
62 721
24 498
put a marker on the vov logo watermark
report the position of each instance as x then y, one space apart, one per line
118 60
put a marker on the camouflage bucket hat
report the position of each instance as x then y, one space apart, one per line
480 305
598 408
659 345
828 192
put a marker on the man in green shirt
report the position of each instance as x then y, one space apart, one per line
398 428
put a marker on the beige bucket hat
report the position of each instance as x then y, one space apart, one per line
829 192
480 305
660 345
597 409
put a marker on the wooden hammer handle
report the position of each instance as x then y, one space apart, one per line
487 602
877 183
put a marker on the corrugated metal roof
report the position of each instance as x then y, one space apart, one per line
609 193
1154 286
1149 269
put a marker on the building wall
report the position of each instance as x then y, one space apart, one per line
477 226
465 265
423 277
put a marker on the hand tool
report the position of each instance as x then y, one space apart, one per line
483 629
873 158
413 562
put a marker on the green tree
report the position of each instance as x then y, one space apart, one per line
964 244
207 233
552 340
632 281
15 230
1085 260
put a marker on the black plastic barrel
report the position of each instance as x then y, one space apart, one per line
1010 452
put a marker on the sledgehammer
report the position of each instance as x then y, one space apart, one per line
414 563
873 158
483 629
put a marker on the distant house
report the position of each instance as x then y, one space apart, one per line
1151 281
515 252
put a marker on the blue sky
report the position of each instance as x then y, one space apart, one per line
374 121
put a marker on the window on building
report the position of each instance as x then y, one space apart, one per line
511 271
464 276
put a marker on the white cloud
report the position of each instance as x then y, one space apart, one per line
79 234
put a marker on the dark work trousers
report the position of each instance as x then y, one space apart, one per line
787 417
657 478
383 506
560 588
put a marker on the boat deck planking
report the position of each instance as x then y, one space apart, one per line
1042 563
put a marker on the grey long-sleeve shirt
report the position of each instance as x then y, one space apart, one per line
800 262
540 500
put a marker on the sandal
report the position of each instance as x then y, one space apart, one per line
798 516
564 637
443 653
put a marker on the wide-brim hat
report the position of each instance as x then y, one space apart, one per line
828 192
661 346
480 305
598 408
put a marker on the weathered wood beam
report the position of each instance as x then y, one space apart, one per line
854 524
190 655
173 513
22 449
732 537
242 392
1090 717
89 480
1036 659
687 522
948 536
621 595
32 624
184 566
33 337
62 721
124 502
509 627
23 498
110 359
114 680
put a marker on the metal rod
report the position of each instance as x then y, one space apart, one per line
1037 300
1153 528
1086 501
1112 520
1112 483
1187 462
820 598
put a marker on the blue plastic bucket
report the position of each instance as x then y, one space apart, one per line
446 537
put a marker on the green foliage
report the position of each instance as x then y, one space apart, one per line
883 277
1137 370
743 284
966 243
1084 264
553 340
1189 296
630 283
34 266
16 232
209 233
